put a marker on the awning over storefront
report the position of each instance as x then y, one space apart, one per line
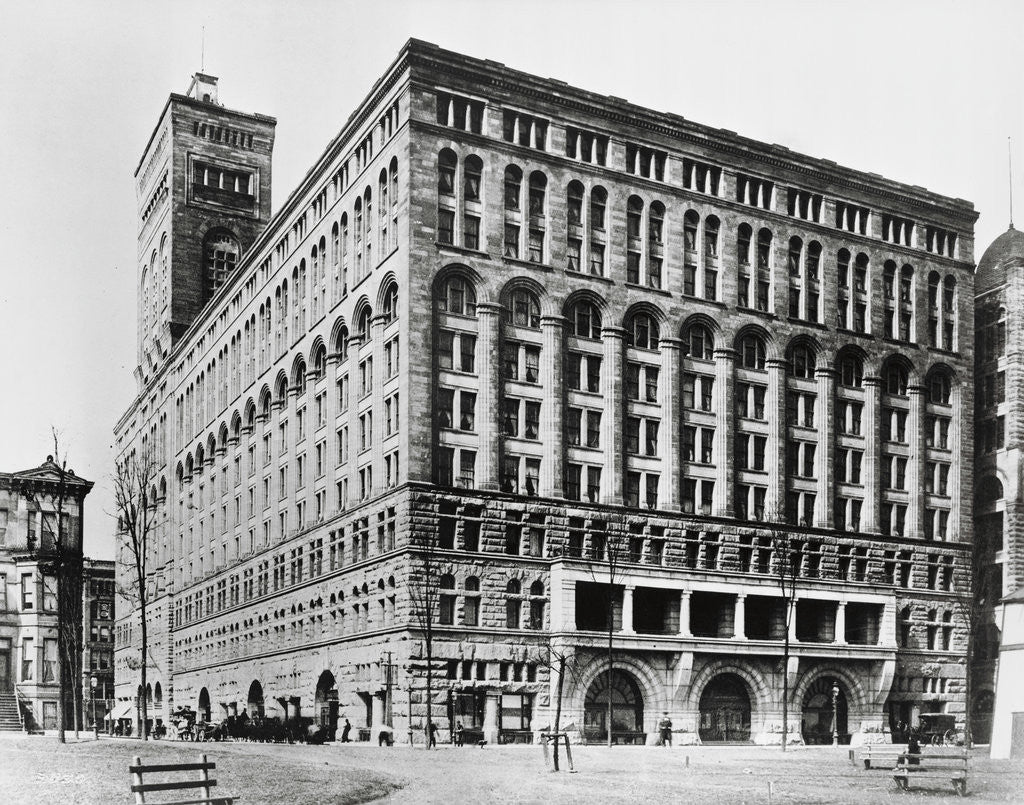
121 710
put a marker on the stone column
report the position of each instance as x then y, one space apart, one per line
488 367
293 452
684 614
740 626
959 457
915 469
552 431
354 343
792 623
840 638
612 367
871 469
491 719
377 403
824 419
775 454
669 435
725 436
627 609
311 441
331 459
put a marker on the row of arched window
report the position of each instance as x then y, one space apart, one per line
526 223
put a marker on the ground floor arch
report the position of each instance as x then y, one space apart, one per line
627 705
825 700
254 700
326 704
203 709
725 709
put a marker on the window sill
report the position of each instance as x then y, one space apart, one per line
855 333
588 276
650 289
765 314
460 249
516 261
817 325
704 300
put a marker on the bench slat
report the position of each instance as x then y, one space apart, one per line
214 801
183 784
171 767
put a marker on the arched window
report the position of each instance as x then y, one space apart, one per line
796 246
896 379
634 216
764 248
220 257
940 388
513 188
538 194
949 313
656 224
390 304
523 309
851 371
642 331
802 361
574 204
711 227
383 212
699 343
586 320
536 606
598 204
457 296
745 288
513 606
472 584
357 237
473 170
753 352
365 315
446 600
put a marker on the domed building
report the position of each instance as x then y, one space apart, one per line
999 520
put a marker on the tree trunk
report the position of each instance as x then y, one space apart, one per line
608 691
61 648
558 706
430 677
144 725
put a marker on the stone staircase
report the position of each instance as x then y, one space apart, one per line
10 713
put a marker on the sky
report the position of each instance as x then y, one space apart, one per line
925 93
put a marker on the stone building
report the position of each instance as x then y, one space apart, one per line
31 502
548 361
97 639
999 525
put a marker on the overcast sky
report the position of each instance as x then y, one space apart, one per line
921 92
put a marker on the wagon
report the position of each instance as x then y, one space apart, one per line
938 729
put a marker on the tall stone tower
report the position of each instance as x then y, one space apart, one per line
203 190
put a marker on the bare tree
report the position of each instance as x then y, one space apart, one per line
424 592
134 476
607 549
787 553
60 552
974 605
559 660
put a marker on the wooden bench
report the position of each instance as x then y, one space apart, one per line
204 783
951 767
881 756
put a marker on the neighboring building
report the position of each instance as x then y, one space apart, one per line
543 327
97 638
29 505
999 518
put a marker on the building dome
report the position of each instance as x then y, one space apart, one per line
990 272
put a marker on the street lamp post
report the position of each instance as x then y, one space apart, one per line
835 713
95 723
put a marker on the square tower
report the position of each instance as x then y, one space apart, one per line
203 190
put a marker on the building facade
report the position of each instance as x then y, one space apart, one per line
31 503
999 524
97 640
519 363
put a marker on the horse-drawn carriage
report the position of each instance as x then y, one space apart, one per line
188 726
